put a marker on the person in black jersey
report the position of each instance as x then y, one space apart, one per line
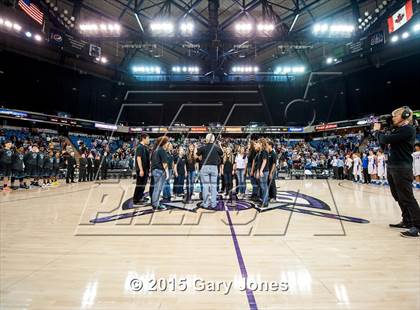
262 171
210 156
48 167
272 167
227 171
82 167
40 165
160 171
180 171
18 170
400 168
71 165
90 163
31 164
167 186
192 168
56 167
6 163
142 164
104 165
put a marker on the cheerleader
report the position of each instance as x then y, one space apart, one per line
372 165
381 167
357 168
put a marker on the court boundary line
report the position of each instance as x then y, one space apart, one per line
341 184
53 195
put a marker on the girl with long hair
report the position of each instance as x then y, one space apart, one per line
192 168
227 171
241 161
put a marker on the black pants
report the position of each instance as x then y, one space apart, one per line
104 173
228 178
350 174
82 175
341 173
70 175
96 173
366 175
400 182
335 170
223 184
272 189
90 174
179 184
141 182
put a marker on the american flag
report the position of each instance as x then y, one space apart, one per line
32 10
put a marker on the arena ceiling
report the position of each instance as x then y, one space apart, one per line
206 16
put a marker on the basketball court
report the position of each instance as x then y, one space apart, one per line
140 141
76 248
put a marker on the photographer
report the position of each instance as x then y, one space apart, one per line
400 168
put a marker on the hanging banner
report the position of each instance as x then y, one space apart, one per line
74 45
401 17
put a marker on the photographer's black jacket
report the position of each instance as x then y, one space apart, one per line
402 141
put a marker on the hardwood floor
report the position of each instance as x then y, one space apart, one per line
54 257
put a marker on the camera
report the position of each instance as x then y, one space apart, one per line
385 120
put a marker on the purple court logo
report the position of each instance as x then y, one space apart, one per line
286 200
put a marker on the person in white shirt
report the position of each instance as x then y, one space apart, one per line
372 165
357 168
334 161
348 165
241 161
381 166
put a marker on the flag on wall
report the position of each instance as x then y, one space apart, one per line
32 10
401 17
